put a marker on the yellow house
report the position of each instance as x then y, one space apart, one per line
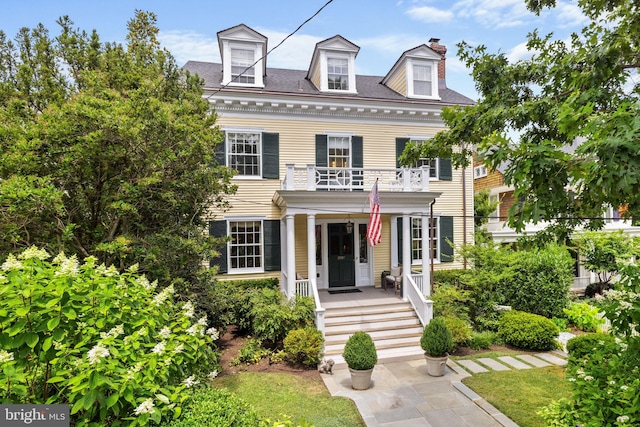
308 147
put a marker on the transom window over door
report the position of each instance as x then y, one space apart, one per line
245 248
422 80
244 154
338 73
241 60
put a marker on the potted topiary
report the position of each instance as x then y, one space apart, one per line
436 342
361 356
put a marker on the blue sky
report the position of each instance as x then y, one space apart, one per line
382 28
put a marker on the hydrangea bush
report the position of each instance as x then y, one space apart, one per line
109 344
606 381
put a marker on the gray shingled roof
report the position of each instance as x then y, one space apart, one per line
280 80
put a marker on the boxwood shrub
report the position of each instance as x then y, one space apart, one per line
304 346
528 331
585 344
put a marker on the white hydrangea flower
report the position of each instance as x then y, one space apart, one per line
624 387
190 381
114 332
142 332
194 329
213 374
34 252
588 378
5 356
163 295
213 333
203 320
165 332
622 419
68 267
133 268
145 407
179 348
96 353
159 348
188 309
11 263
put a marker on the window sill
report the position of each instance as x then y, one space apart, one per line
245 271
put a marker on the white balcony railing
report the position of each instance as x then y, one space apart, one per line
312 178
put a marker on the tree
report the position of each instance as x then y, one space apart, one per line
108 150
605 253
566 123
482 209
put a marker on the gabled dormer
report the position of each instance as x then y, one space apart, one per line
241 48
333 65
415 74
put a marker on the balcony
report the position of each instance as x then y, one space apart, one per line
313 178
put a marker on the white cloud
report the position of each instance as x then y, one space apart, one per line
429 14
570 15
519 52
494 13
189 45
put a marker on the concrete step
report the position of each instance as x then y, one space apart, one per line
347 319
381 344
378 325
413 330
372 308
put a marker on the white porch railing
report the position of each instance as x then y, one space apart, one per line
308 288
312 178
422 306
419 279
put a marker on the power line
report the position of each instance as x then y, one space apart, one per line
270 50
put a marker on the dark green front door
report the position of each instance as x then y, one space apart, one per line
341 262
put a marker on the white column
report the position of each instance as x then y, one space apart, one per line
291 257
311 247
426 255
406 251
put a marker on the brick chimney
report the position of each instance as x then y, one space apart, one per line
442 50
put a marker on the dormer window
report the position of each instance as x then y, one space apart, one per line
338 73
243 53
242 69
422 84
332 66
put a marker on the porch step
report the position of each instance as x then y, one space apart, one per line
393 326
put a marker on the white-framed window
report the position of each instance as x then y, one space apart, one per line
479 171
422 84
245 247
337 73
339 159
242 68
244 152
416 239
423 162
495 215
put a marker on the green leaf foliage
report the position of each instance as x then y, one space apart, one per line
567 117
436 340
528 331
360 351
304 346
108 150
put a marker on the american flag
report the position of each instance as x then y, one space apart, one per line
374 228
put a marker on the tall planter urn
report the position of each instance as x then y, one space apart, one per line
361 356
436 342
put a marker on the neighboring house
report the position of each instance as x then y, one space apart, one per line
493 180
308 146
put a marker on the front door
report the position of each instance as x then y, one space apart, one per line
341 258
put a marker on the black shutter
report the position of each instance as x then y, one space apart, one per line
446 236
357 161
321 151
270 155
219 229
445 169
220 151
271 246
400 144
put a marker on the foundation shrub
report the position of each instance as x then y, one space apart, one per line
460 332
582 345
528 331
304 346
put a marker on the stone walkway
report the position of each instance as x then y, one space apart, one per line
520 361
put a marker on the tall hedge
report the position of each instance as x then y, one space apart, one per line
540 281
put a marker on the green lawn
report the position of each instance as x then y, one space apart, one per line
519 394
275 395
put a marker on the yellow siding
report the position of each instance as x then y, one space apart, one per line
399 82
315 75
297 146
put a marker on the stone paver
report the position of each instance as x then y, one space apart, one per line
552 359
493 364
514 363
531 360
472 366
